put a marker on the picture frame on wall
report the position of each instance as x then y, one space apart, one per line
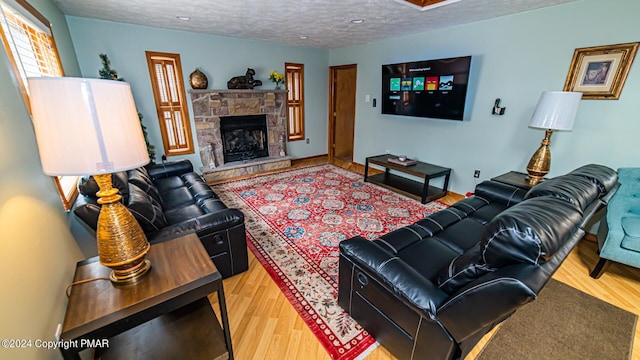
599 72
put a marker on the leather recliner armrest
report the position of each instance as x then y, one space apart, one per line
87 210
168 169
405 282
203 224
494 298
504 194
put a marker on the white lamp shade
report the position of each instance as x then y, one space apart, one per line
86 126
556 110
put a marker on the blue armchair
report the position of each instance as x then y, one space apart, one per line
619 235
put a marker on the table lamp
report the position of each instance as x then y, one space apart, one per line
556 110
91 127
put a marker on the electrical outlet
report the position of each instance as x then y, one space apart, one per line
476 174
307 140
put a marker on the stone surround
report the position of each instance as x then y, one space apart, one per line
209 105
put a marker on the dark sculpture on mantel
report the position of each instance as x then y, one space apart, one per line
244 81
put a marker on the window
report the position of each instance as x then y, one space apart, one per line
168 90
294 74
28 40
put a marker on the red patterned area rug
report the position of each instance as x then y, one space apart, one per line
295 220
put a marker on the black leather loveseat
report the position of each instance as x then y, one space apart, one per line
170 200
431 290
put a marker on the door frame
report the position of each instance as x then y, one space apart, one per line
332 93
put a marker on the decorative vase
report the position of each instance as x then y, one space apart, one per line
198 80
208 157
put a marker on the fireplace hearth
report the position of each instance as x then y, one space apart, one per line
244 137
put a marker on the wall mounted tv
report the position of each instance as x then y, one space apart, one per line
430 88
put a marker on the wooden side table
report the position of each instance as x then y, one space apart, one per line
164 315
515 178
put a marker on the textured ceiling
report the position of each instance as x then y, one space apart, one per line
325 23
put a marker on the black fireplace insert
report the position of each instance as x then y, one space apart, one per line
244 137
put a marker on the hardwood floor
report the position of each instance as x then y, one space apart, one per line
264 325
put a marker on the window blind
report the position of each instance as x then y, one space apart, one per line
30 43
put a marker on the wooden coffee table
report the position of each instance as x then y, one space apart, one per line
422 191
164 315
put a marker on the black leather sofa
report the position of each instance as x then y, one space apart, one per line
170 200
431 290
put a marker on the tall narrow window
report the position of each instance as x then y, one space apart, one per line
28 40
168 90
294 74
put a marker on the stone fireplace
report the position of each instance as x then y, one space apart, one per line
248 145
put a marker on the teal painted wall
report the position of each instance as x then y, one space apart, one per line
220 58
37 250
515 58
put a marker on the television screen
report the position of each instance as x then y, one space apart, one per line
430 88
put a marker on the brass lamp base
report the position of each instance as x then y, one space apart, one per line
130 275
540 162
122 245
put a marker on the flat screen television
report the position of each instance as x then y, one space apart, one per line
430 88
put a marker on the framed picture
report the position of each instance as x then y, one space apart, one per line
599 72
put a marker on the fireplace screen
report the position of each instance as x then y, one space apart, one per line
244 137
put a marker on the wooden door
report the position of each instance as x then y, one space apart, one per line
342 111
